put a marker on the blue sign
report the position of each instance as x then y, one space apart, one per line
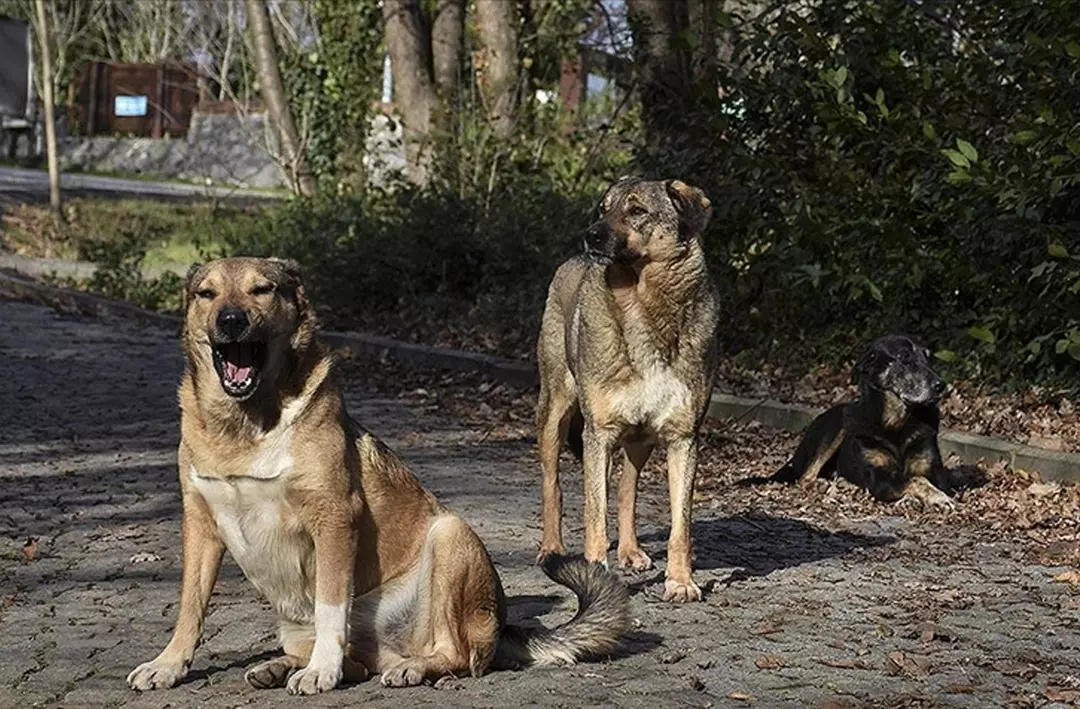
130 106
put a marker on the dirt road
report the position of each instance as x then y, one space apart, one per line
879 611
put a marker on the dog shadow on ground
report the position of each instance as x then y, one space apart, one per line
757 544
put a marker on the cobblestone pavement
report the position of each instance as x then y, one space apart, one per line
881 612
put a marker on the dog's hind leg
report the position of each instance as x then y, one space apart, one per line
555 408
455 623
630 554
816 454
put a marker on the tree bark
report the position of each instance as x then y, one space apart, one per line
496 23
273 93
447 46
664 71
43 34
410 56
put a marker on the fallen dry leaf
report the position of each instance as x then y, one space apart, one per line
1068 577
30 549
770 662
960 689
842 664
1061 694
1024 670
741 697
899 663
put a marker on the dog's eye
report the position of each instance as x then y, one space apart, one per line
636 210
265 289
206 294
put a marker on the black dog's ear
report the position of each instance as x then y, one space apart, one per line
693 207
194 275
863 366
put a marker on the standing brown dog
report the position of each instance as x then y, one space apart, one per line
627 352
366 570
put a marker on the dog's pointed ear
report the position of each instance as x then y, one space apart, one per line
693 207
194 275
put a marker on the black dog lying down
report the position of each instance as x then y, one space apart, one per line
886 440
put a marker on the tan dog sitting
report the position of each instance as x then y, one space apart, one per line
366 571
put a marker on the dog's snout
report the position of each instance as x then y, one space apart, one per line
938 387
232 322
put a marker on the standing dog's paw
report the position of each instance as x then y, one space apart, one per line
313 680
678 592
156 675
547 550
634 560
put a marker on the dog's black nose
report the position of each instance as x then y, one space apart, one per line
938 387
232 322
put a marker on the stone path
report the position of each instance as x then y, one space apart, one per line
879 613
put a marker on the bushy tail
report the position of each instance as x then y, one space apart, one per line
602 618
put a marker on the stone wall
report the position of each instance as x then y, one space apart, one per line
224 149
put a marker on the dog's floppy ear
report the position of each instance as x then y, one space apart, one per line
693 207
293 279
194 275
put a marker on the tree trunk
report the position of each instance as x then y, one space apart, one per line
663 70
496 23
447 46
43 33
703 21
410 56
273 93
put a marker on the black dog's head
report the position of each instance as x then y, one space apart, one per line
901 366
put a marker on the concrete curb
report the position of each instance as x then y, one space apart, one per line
971 448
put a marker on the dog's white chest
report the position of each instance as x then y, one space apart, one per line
263 534
652 398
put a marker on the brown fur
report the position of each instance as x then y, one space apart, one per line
626 351
312 506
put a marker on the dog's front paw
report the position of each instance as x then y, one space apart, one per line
679 592
270 674
313 680
156 674
634 560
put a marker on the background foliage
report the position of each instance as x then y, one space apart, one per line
875 166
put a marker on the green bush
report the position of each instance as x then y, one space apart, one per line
874 171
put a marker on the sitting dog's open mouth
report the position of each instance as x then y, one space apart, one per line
239 365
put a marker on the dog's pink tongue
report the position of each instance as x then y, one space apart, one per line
237 363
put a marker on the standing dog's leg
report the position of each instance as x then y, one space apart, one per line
682 469
631 556
331 527
554 411
599 444
201 554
